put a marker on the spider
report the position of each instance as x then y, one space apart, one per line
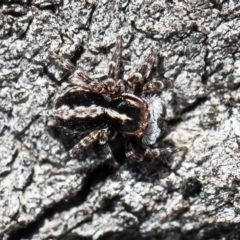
103 109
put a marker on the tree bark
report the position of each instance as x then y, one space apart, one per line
190 195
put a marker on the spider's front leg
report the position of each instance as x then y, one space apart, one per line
107 87
135 81
113 63
78 77
110 85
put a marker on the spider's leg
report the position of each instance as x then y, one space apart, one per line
153 154
66 64
155 86
83 144
82 79
108 155
147 66
137 78
78 77
110 85
113 63
156 152
104 136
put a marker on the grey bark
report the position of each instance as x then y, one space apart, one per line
190 196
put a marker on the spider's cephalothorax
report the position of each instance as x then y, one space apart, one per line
131 107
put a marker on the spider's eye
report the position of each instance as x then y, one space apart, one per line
133 113
121 105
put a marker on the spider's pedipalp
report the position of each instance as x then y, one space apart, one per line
143 72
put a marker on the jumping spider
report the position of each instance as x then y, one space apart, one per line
105 108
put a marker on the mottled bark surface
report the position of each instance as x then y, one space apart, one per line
191 197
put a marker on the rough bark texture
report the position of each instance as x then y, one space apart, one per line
191 197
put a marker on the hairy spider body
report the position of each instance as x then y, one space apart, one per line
80 110
104 108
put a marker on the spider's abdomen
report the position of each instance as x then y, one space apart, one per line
80 97
84 124
80 110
